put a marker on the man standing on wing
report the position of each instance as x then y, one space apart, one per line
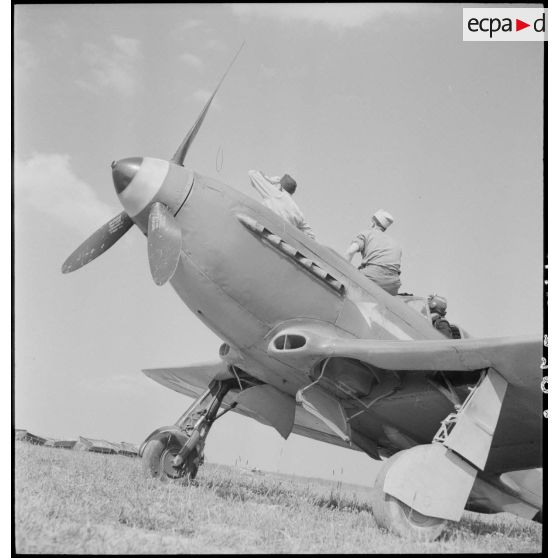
381 255
277 195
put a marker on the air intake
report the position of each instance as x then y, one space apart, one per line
289 342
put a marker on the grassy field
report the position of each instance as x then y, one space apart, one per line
85 503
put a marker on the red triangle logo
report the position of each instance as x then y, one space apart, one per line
519 25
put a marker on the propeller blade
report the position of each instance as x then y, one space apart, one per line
164 243
180 154
100 241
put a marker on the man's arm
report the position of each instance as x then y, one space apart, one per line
263 185
305 228
275 180
351 251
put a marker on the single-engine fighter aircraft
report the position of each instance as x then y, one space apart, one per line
313 347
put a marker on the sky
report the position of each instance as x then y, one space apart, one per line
367 106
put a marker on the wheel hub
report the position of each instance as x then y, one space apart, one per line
167 467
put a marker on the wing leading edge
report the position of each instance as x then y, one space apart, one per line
517 359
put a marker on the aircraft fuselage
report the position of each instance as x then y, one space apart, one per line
242 287
246 273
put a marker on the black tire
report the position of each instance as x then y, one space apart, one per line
392 514
157 460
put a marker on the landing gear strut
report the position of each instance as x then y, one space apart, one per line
176 452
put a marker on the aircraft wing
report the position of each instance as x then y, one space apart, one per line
189 380
517 359
193 381
415 412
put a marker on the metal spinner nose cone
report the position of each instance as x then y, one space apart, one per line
123 172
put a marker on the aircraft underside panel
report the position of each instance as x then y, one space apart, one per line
409 416
192 381
517 492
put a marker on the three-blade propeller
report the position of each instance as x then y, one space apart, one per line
164 236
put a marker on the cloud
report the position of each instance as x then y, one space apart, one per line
48 183
192 24
333 15
60 29
268 72
128 47
216 44
192 60
199 32
112 69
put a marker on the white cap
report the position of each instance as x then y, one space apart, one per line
382 218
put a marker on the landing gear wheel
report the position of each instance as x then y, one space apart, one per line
392 514
158 456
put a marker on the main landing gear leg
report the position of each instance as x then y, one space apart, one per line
176 452
418 489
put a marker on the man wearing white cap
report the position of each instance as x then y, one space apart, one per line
381 255
277 195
